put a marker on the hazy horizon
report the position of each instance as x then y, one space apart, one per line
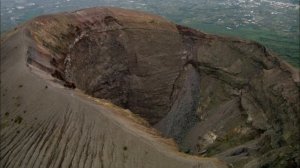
274 23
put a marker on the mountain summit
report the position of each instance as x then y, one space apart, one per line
105 87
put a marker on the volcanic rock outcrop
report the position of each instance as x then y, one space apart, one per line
215 96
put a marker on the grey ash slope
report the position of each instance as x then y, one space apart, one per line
215 96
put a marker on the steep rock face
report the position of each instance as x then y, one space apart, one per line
215 96
182 117
130 58
44 124
249 103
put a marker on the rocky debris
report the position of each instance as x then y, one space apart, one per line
215 96
182 117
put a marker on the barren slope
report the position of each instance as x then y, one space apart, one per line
44 124
215 96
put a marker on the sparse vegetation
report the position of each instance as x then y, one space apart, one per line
154 21
18 119
125 148
187 151
228 141
6 114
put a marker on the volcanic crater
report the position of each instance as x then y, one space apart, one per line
215 96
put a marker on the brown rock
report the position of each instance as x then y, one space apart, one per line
215 96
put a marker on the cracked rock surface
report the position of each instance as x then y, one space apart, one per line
217 97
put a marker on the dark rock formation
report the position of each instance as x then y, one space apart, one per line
216 96
130 58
